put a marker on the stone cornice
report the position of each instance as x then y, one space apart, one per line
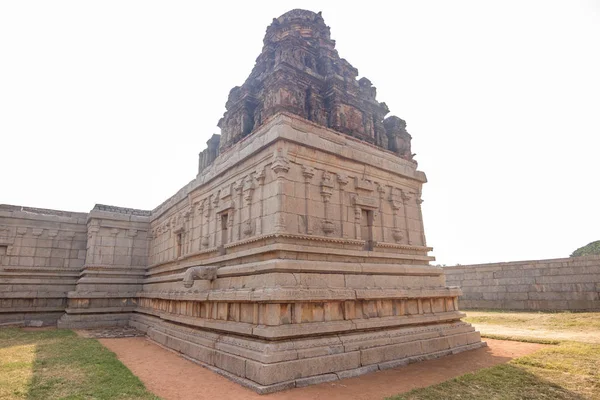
185 261
277 295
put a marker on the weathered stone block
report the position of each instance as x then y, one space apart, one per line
391 352
230 363
268 374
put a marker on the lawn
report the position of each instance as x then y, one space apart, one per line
532 326
565 370
583 322
58 364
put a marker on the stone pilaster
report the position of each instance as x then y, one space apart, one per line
419 201
307 174
206 236
249 187
131 234
200 211
260 178
396 204
326 193
406 196
342 182
381 192
239 190
280 168
217 218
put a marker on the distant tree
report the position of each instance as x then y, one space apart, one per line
590 249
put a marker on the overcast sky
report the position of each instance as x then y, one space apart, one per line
111 101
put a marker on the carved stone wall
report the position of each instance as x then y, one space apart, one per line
292 188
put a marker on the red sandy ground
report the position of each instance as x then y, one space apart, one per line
172 377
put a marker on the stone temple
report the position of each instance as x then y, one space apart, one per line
296 256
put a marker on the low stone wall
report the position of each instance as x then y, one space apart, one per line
557 284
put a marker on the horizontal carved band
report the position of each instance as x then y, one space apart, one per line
395 312
301 294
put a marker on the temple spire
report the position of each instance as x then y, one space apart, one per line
299 71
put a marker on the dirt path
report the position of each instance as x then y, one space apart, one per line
540 333
174 378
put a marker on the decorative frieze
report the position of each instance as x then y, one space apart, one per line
299 312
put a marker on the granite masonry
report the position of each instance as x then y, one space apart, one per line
558 284
296 256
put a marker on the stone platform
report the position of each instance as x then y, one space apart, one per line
265 366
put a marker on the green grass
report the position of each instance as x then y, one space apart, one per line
520 339
57 364
569 370
565 370
560 321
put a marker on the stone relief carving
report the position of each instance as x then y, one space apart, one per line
205 272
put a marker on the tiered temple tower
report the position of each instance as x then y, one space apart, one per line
298 254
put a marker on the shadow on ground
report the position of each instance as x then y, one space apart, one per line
56 364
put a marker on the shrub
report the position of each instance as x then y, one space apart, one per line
590 249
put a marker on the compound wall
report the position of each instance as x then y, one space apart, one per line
556 284
42 253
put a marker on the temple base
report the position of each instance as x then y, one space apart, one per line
269 366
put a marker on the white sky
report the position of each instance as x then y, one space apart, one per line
111 101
